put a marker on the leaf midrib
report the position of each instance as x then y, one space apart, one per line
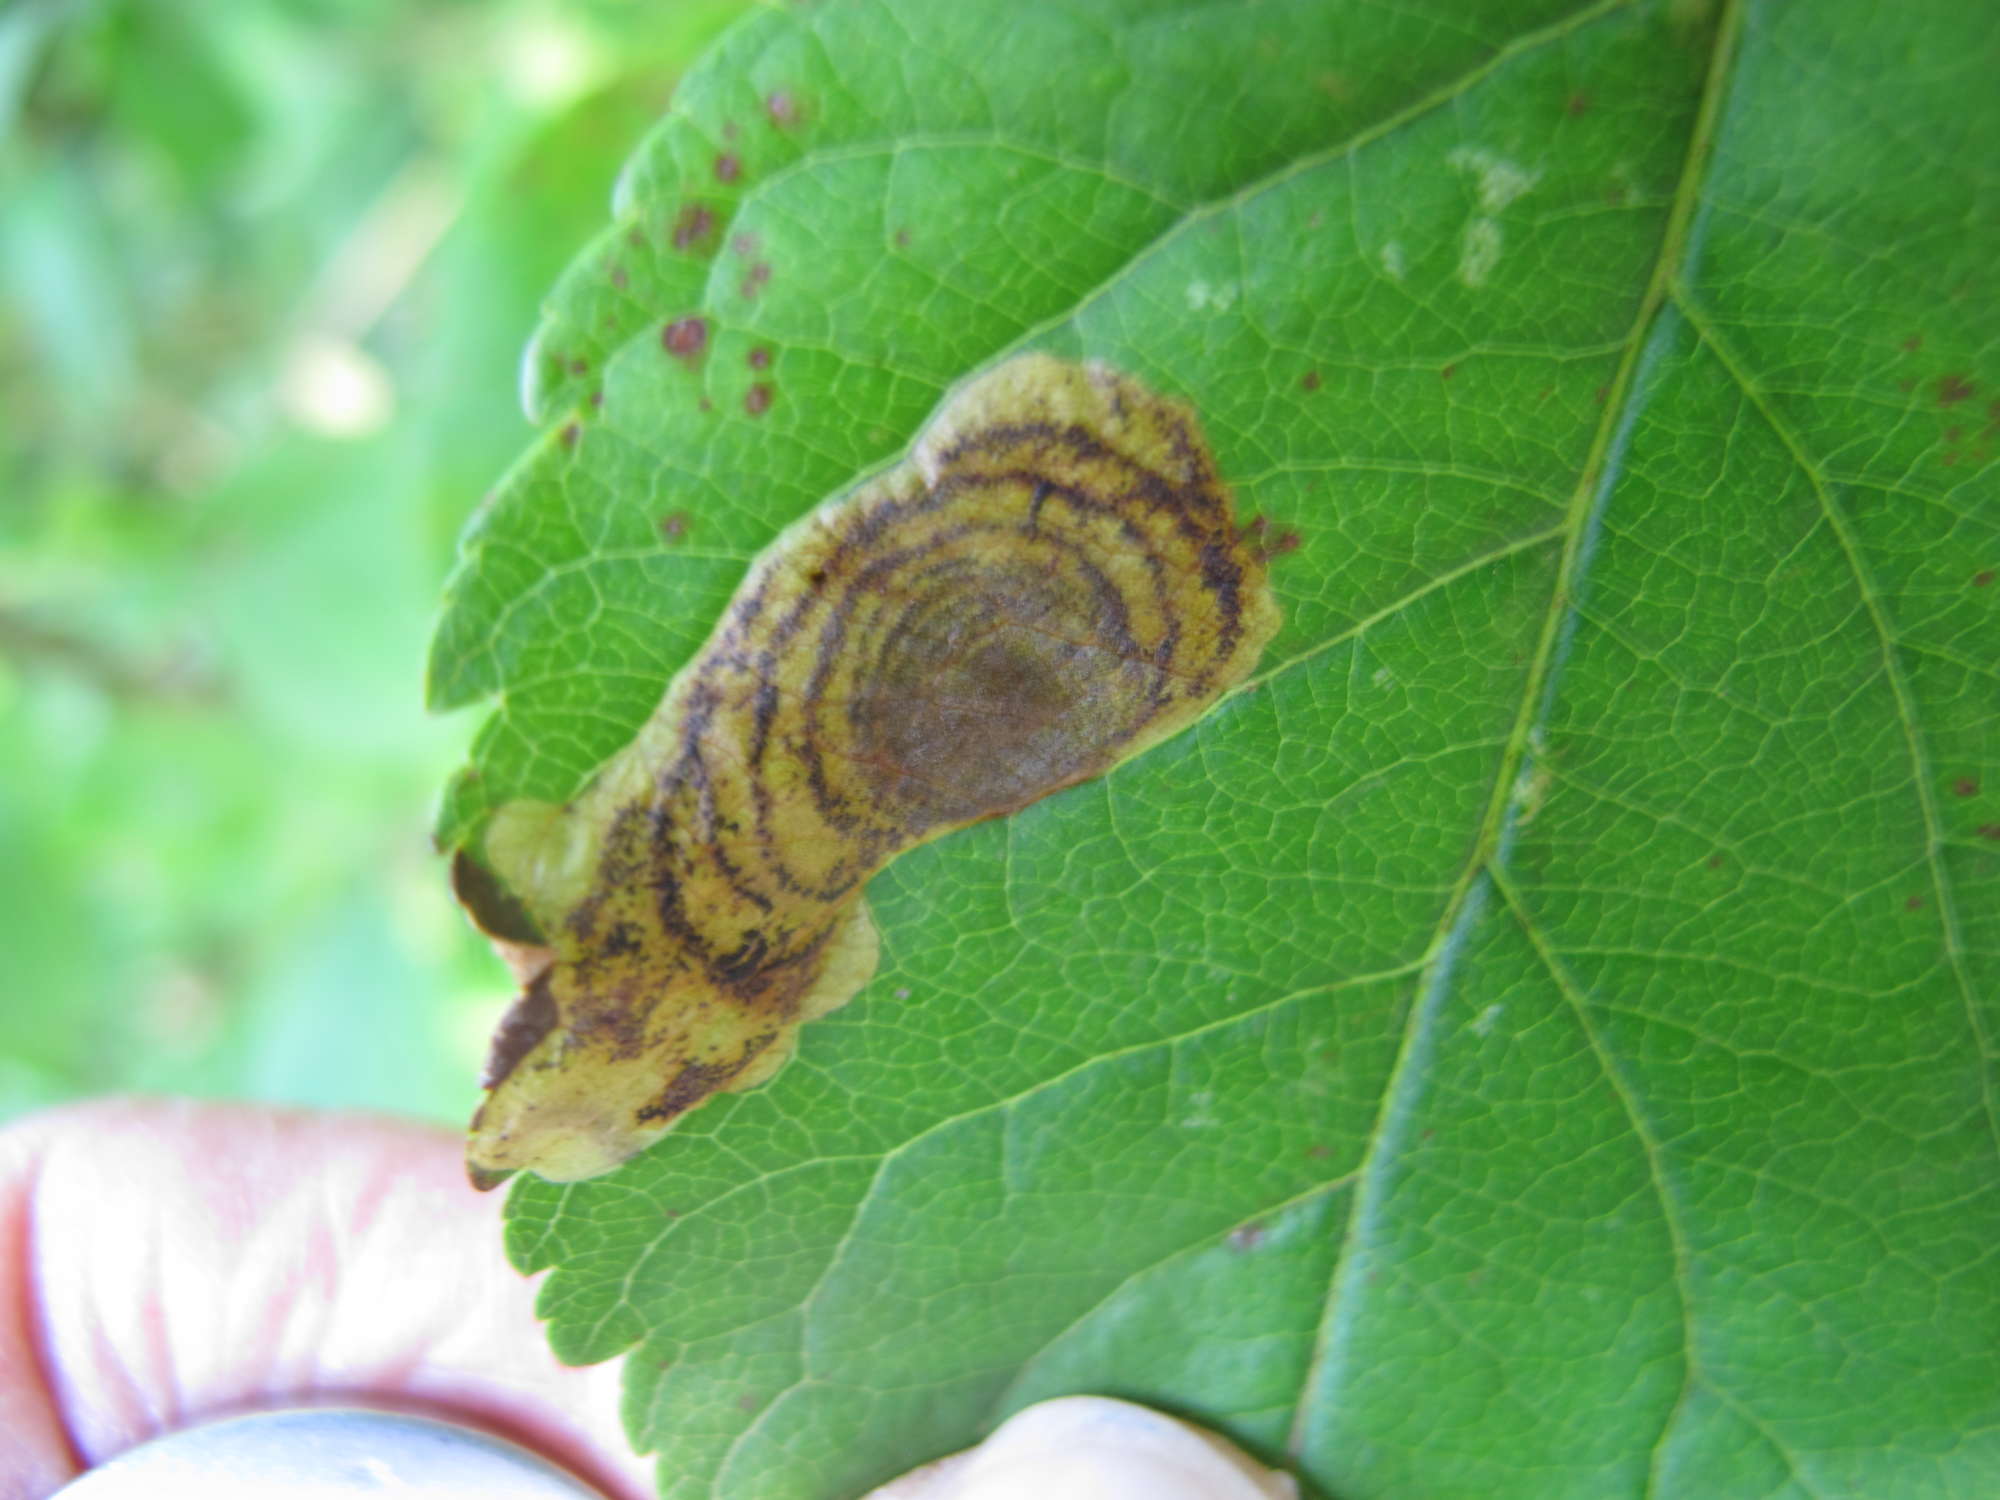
1483 867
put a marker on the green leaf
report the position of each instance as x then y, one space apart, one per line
1539 1037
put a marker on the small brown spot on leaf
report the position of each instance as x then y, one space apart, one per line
783 107
1311 380
1319 1151
1715 861
747 1402
673 526
570 433
728 167
902 239
636 237
1965 786
1601 395
1913 343
1982 578
1953 389
578 365
706 404
745 244
685 338
1990 831
618 277
1906 386
692 225
730 130
755 278
759 358
1447 372
1915 903
757 400
1288 541
1577 105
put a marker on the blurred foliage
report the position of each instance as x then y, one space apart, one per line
265 270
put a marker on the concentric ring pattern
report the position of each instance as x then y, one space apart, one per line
1053 581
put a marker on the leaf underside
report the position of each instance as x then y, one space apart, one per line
1538 1036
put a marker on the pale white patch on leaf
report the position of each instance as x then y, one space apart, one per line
1478 251
1498 180
1202 297
1498 183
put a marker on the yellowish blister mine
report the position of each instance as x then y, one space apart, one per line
1054 580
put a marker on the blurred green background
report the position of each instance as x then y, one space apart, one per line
265 272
